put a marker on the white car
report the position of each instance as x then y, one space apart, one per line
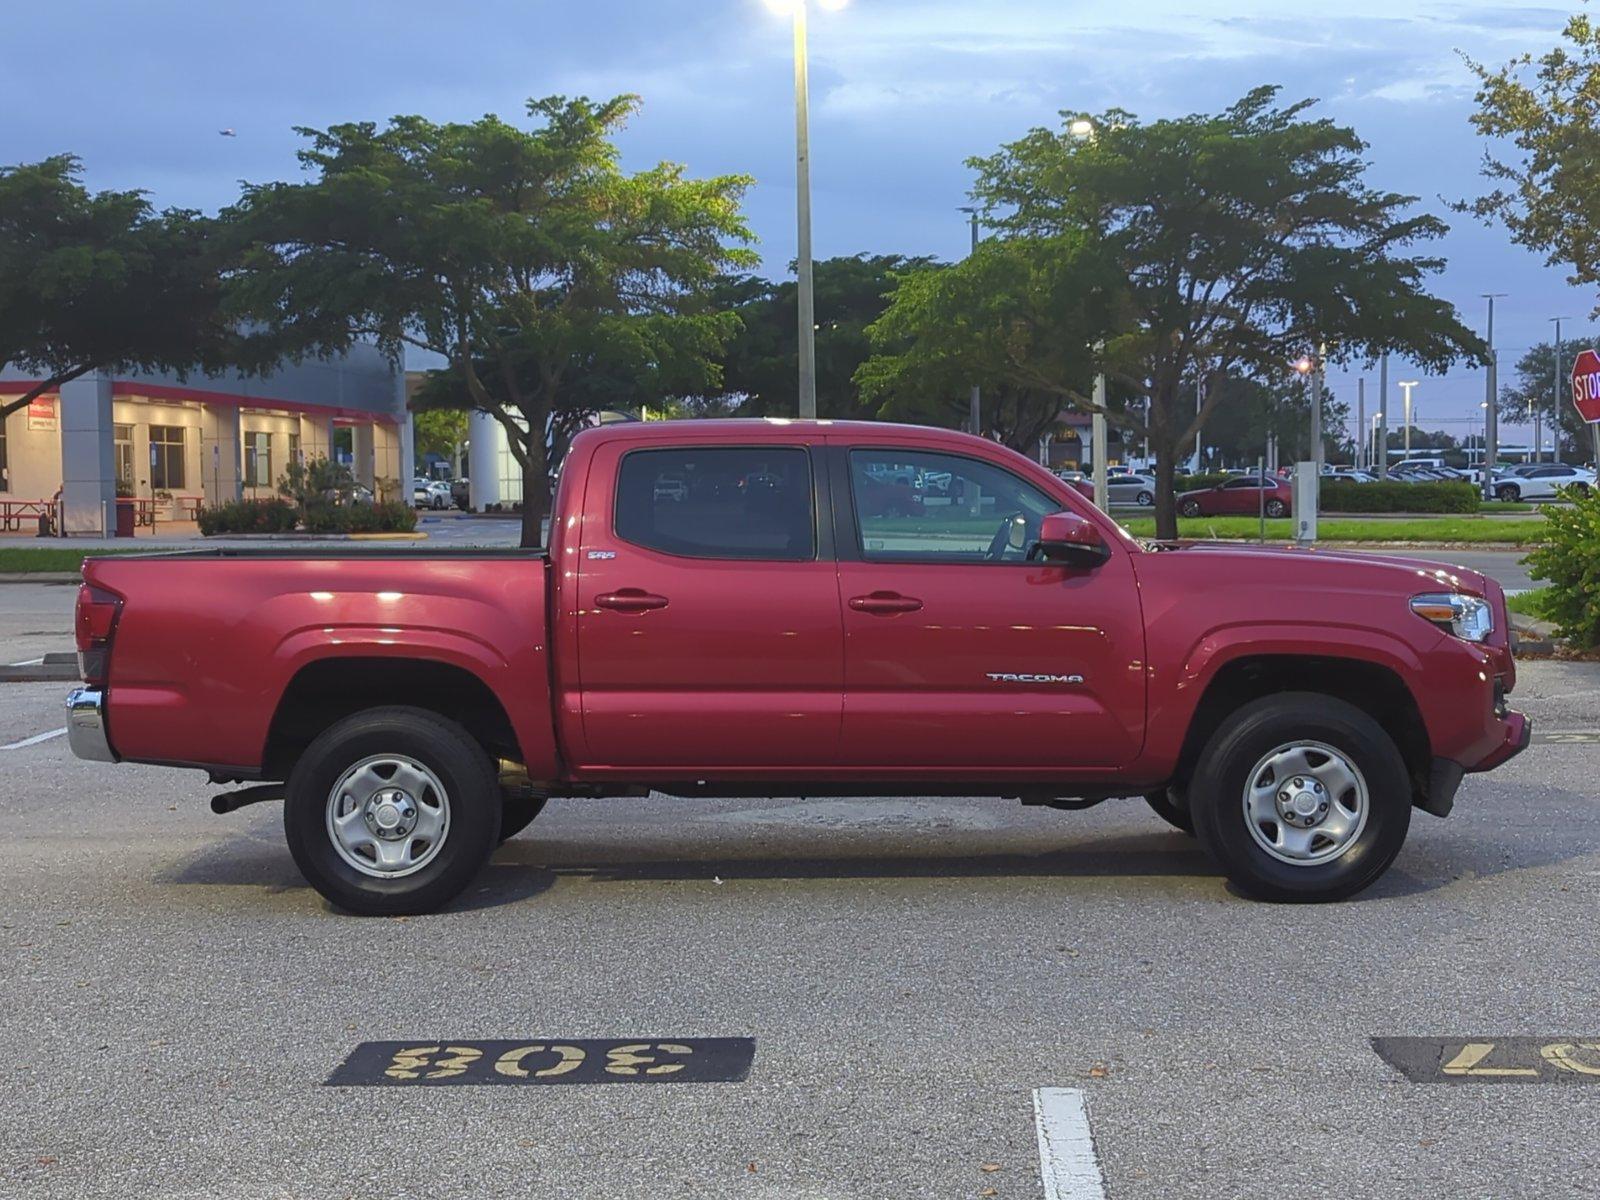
1542 483
1131 489
430 493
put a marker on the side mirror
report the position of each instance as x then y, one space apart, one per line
1069 540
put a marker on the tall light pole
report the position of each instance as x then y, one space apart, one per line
1406 386
1555 408
1491 384
975 406
803 262
1082 130
1382 452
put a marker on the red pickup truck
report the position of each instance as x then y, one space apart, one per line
736 608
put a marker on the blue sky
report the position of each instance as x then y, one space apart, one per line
903 92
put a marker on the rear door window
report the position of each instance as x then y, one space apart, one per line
719 502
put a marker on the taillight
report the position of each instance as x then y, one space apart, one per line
97 615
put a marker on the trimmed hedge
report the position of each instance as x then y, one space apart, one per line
1340 495
323 516
248 516
1195 483
1570 560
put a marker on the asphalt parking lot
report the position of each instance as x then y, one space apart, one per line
909 970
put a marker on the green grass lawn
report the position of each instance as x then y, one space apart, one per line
1354 529
31 559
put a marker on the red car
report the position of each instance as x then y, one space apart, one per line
1247 495
413 709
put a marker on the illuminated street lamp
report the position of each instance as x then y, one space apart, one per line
802 128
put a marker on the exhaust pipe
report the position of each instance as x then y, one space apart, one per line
232 801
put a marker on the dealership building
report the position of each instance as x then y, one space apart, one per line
174 444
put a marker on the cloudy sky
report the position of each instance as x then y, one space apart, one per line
903 92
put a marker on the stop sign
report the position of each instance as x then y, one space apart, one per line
1586 385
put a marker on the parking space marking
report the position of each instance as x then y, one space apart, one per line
1564 739
1559 1058
545 1061
1068 1164
34 740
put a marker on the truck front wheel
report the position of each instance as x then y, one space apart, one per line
1301 797
392 811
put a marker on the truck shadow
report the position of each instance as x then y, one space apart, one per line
530 865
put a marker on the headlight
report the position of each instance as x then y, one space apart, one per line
1467 617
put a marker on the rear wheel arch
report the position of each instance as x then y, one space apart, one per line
329 689
1372 687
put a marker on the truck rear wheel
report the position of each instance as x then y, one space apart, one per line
392 811
1301 797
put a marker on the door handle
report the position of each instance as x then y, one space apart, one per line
885 603
630 600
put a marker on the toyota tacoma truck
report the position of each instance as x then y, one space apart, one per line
812 608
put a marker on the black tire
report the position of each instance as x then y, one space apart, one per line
1508 491
1190 508
1580 489
1144 499
517 813
1216 796
1165 805
462 768
1277 508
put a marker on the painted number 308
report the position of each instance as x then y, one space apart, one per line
1580 1058
535 1060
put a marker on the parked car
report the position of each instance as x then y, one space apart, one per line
460 495
1131 489
1543 483
1247 494
430 493
412 712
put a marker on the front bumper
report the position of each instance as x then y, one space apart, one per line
1518 733
86 725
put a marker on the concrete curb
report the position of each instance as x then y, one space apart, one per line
40 577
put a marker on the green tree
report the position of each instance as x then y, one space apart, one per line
439 431
101 281
1019 317
1536 391
1546 191
1250 411
761 366
550 280
1246 237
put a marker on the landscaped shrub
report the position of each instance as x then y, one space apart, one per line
323 516
1195 483
248 516
1343 496
1570 560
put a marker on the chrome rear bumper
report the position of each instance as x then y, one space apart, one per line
86 725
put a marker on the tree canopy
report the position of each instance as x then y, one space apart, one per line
1546 190
1019 317
101 281
1246 238
551 281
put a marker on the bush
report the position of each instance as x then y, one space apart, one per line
324 516
1195 483
249 516
1341 495
1570 560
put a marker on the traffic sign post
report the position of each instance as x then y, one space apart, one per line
1586 393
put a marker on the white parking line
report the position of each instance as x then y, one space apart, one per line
35 739
1068 1164
32 662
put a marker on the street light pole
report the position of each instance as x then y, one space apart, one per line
807 296
1491 423
1381 453
1555 407
975 405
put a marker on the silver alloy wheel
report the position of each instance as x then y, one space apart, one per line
1145 499
388 816
1306 803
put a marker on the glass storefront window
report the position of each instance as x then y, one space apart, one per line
258 460
124 448
166 457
